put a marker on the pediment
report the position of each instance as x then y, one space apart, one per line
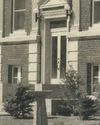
53 3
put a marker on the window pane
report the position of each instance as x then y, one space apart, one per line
54 57
19 20
95 77
15 80
63 56
15 73
95 70
96 12
19 4
9 73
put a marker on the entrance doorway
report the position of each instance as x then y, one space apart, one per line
58 50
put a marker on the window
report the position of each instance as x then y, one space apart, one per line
96 77
18 14
14 74
96 11
93 78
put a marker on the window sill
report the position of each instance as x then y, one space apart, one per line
95 27
18 33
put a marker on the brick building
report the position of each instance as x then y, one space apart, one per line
41 39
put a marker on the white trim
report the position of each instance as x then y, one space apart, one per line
84 34
52 14
53 3
96 0
16 39
60 31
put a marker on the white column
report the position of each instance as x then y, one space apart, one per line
49 106
32 66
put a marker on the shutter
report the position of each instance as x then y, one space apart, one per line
84 14
91 12
10 73
7 17
28 16
89 77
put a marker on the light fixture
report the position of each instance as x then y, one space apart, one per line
68 10
37 14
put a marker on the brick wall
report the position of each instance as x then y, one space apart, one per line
57 90
14 54
89 52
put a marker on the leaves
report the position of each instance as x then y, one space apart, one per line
72 82
19 105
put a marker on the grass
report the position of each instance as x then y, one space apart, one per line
8 120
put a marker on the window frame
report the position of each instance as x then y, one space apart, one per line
95 76
19 74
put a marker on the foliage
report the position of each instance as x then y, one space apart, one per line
72 91
19 105
88 106
72 82
64 110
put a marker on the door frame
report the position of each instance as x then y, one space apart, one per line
58 32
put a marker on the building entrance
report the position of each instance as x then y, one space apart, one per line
58 50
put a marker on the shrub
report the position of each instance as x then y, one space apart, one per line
64 110
72 82
88 106
73 89
19 105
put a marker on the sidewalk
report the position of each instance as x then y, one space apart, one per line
73 120
52 120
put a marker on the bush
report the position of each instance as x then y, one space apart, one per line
73 89
88 106
64 110
19 105
72 82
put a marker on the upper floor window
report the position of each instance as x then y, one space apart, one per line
96 11
18 14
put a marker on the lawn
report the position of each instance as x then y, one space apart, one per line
8 120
